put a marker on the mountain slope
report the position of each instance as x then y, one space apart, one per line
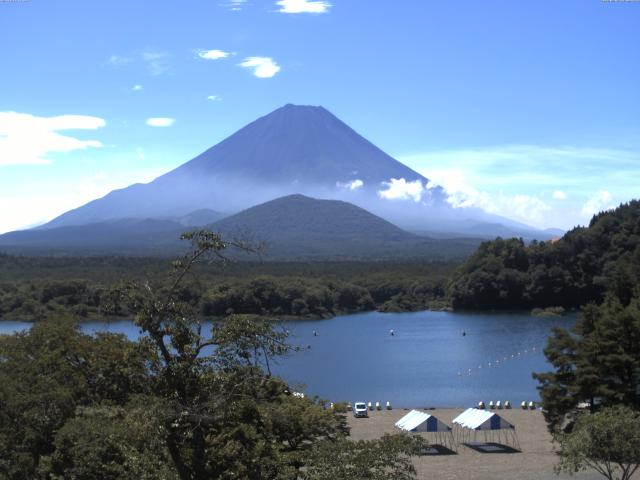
290 228
305 228
200 217
126 236
130 236
296 150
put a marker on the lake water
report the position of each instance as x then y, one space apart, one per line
428 362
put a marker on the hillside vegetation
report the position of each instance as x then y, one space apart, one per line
577 269
292 228
33 288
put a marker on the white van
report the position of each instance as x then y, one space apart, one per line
360 410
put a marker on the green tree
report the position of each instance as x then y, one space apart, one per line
223 414
383 459
49 372
581 267
184 402
598 362
111 443
607 441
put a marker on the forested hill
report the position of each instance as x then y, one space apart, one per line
572 271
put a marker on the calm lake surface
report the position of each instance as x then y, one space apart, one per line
428 362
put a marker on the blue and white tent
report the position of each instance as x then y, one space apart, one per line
494 427
416 421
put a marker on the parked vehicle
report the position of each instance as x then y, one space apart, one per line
360 410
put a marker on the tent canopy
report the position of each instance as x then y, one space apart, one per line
476 419
416 421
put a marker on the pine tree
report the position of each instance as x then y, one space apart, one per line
598 362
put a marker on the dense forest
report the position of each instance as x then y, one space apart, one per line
36 287
502 274
575 270
169 406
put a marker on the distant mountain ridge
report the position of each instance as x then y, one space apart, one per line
294 150
294 227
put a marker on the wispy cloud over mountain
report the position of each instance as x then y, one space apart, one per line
534 183
400 189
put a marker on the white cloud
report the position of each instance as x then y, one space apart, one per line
400 189
263 67
234 5
157 62
160 121
601 201
488 177
27 139
303 6
461 194
118 61
559 195
214 98
352 185
526 207
136 88
212 54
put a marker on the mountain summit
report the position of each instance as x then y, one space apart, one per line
303 145
295 150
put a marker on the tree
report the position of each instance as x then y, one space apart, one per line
607 441
111 443
185 402
49 372
598 362
223 414
384 459
581 267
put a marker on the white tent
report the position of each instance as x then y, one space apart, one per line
416 421
494 427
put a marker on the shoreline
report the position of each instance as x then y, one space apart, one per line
294 318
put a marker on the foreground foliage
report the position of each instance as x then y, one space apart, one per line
364 460
181 403
607 442
598 362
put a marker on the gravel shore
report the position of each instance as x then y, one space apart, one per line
534 461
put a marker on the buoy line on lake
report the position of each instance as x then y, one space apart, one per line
499 362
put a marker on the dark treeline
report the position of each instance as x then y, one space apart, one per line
573 271
36 287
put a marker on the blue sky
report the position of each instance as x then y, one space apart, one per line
527 109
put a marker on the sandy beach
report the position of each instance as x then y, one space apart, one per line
534 461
